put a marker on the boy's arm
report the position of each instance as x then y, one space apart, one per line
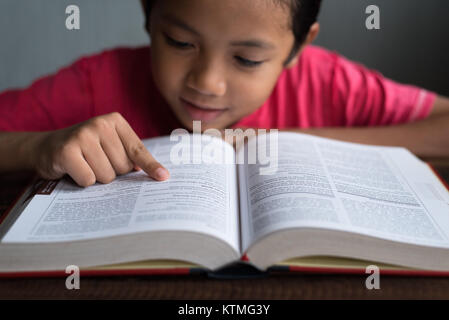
96 150
428 138
17 151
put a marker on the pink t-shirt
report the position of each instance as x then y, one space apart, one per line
322 90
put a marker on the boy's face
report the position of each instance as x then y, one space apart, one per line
218 61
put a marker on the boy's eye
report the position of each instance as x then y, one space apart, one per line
248 63
177 44
186 45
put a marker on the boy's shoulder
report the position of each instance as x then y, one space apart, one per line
319 57
317 62
317 51
314 63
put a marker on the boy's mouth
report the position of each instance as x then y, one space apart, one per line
200 112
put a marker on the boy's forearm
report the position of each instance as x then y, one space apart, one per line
427 138
18 150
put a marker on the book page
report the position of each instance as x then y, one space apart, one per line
321 183
198 197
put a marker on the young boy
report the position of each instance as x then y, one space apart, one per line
226 63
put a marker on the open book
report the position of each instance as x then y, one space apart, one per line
331 200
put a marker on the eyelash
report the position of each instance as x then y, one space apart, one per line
185 45
248 63
177 44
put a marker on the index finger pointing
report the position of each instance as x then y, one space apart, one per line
138 153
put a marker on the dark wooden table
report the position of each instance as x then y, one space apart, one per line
300 286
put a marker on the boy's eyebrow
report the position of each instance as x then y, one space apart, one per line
179 23
255 43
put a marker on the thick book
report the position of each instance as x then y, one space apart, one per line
306 204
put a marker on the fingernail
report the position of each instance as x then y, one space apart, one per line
161 174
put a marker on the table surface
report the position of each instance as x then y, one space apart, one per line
298 286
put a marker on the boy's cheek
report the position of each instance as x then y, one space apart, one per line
252 97
168 79
166 66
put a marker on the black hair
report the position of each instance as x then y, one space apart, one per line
304 15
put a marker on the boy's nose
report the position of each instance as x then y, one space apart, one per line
207 79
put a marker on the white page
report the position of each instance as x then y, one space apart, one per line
197 197
323 183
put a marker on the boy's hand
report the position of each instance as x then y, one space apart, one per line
95 150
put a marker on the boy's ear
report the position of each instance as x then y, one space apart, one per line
311 36
313 33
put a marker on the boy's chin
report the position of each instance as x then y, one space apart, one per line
202 125
197 125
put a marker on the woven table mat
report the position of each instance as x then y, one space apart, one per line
199 287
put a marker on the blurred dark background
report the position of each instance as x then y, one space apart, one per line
412 45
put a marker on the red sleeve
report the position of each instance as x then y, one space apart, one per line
366 98
51 103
